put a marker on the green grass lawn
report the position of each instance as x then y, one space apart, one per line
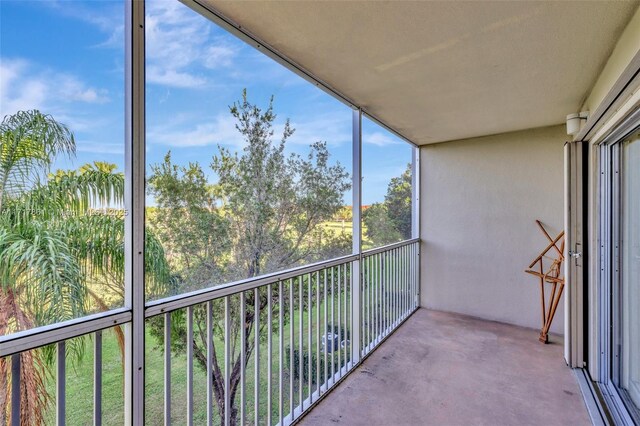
339 227
346 227
79 394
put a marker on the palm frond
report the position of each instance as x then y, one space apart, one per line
30 141
39 266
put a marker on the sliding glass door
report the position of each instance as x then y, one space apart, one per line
619 339
629 297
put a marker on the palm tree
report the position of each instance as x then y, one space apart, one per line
61 245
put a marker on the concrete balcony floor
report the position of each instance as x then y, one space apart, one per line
447 369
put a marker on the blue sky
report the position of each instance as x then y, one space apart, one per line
66 58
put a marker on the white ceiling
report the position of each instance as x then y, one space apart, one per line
439 71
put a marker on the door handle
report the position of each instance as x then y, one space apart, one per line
575 254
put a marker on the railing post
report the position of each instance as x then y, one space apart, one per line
97 378
356 274
134 210
15 389
61 383
415 215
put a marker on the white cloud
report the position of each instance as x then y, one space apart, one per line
108 17
101 148
379 139
178 40
75 90
221 130
16 93
173 78
218 56
382 175
335 129
115 39
24 87
79 120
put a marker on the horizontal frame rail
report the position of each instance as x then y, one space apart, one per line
173 303
46 335
201 296
42 336
388 247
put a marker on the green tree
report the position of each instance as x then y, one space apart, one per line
270 207
380 230
276 201
194 231
390 221
398 203
58 235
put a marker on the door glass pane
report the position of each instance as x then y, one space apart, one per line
386 187
630 291
61 161
248 173
248 164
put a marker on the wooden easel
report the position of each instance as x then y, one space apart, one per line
549 275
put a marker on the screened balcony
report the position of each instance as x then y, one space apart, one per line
219 212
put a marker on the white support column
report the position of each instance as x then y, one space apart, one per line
415 192
356 282
134 206
574 255
415 210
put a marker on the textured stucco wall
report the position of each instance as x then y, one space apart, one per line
480 199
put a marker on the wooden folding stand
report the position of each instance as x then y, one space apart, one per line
551 275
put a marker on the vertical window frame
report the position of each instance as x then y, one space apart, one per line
620 406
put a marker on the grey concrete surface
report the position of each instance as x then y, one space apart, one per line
449 369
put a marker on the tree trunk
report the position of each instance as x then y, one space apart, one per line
234 377
34 397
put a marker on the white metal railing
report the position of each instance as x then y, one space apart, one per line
389 291
270 347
